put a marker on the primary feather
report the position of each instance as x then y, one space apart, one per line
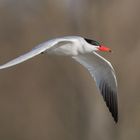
103 73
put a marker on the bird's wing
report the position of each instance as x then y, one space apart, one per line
35 51
103 73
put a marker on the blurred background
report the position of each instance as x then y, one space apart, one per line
53 97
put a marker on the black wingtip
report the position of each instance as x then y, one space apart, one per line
115 115
113 108
110 97
116 120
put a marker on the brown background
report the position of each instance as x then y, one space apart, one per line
54 98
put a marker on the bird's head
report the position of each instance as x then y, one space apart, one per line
98 46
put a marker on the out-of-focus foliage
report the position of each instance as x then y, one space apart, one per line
54 98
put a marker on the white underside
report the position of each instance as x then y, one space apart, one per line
66 49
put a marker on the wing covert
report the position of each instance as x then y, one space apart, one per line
35 51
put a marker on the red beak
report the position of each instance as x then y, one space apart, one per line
105 49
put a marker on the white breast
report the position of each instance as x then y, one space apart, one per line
71 46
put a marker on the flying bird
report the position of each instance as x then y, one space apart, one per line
82 50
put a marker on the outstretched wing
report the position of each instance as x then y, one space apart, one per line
35 51
103 73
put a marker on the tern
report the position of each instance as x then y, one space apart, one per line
82 50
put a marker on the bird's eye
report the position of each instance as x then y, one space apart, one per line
93 42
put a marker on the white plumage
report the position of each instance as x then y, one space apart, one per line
83 51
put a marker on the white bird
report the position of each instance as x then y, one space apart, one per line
83 51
